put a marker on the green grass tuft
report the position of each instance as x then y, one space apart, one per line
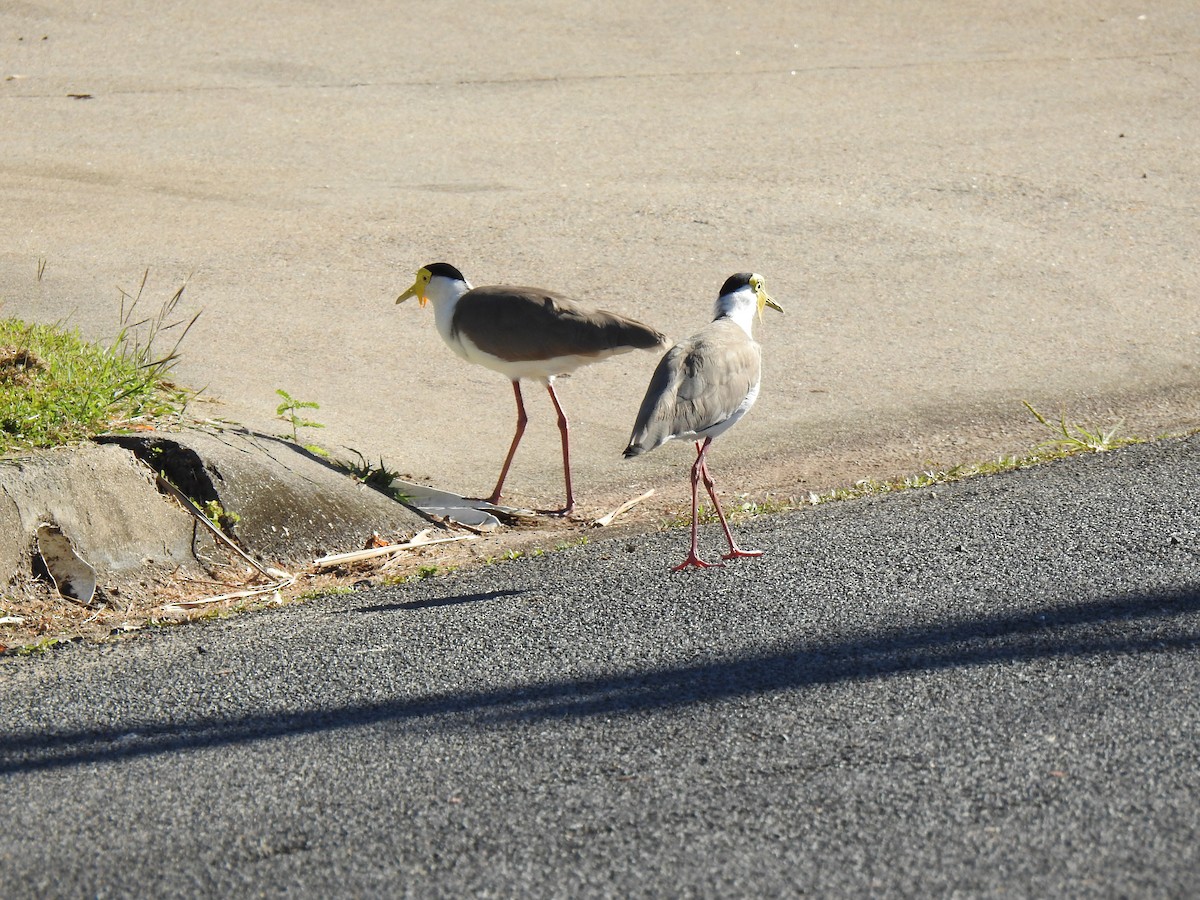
58 389
1074 438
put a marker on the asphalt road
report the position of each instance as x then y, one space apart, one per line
988 688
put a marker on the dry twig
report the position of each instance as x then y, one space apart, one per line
607 519
420 539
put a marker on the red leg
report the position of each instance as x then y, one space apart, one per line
734 550
564 430
522 419
693 557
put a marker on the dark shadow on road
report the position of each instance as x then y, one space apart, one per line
433 602
1125 625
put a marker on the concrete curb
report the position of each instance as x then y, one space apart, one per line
283 505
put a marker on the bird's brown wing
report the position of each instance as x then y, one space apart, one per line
698 384
522 323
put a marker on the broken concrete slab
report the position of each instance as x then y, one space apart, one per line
102 500
73 576
127 510
283 504
479 515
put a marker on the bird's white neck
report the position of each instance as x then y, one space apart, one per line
443 291
740 306
444 294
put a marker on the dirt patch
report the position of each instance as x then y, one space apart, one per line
19 367
32 614
154 550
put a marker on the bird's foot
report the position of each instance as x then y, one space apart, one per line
694 560
735 552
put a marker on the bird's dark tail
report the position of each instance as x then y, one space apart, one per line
622 332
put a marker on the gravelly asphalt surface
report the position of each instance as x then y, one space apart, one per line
986 689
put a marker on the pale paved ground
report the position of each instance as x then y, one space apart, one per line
960 205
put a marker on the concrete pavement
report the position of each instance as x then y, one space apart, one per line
960 207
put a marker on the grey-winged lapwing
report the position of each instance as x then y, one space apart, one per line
703 386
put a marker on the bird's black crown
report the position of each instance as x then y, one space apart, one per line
735 282
445 270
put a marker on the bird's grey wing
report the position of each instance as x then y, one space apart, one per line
718 375
698 384
522 323
657 412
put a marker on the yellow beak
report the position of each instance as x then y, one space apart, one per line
418 288
765 299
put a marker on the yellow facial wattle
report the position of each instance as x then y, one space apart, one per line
418 288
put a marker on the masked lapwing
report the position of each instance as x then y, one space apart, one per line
703 386
525 332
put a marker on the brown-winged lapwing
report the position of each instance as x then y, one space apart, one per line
525 332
